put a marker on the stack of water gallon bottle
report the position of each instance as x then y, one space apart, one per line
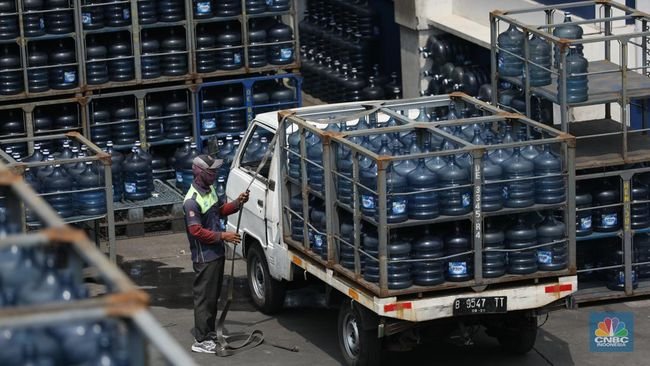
453 64
70 177
339 49
49 313
516 183
542 68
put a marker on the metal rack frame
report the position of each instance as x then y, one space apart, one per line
27 109
98 156
247 86
243 19
126 301
625 234
302 122
135 28
608 82
140 105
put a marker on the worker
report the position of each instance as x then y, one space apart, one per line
207 234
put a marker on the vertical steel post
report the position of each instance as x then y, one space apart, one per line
527 72
303 187
382 229
644 64
142 124
110 212
627 231
494 60
80 48
477 217
562 84
331 215
570 213
608 31
357 212
623 102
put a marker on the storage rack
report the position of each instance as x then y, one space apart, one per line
140 103
596 290
122 300
604 147
23 41
243 19
292 81
27 112
606 141
98 156
134 28
302 123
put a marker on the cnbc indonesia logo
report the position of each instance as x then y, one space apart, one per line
612 333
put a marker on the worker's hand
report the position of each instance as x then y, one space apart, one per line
243 197
229 236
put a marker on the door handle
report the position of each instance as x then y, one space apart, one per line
260 203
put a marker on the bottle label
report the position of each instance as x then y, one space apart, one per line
209 123
585 223
86 18
130 187
203 7
179 177
318 240
69 76
126 13
457 268
609 219
467 199
544 257
368 202
286 54
399 207
237 57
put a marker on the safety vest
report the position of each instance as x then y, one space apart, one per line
204 201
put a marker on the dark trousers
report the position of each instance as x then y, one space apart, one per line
206 288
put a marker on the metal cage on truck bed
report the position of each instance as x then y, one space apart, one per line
319 196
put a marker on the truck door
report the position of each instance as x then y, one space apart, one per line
259 215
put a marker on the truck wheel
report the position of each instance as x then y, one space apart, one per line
519 335
267 292
358 341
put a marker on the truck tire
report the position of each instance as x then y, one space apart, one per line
358 341
519 335
267 293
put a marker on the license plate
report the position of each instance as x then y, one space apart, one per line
480 305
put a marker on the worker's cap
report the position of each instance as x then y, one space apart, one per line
207 162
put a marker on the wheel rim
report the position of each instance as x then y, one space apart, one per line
258 279
351 336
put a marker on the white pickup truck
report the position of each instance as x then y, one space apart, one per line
368 319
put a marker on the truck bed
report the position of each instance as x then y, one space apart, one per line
419 307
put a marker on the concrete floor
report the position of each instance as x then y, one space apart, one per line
161 266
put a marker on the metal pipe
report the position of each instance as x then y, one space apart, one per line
382 228
493 59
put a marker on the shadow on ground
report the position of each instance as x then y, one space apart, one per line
171 287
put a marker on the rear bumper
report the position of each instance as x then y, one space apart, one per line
437 307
